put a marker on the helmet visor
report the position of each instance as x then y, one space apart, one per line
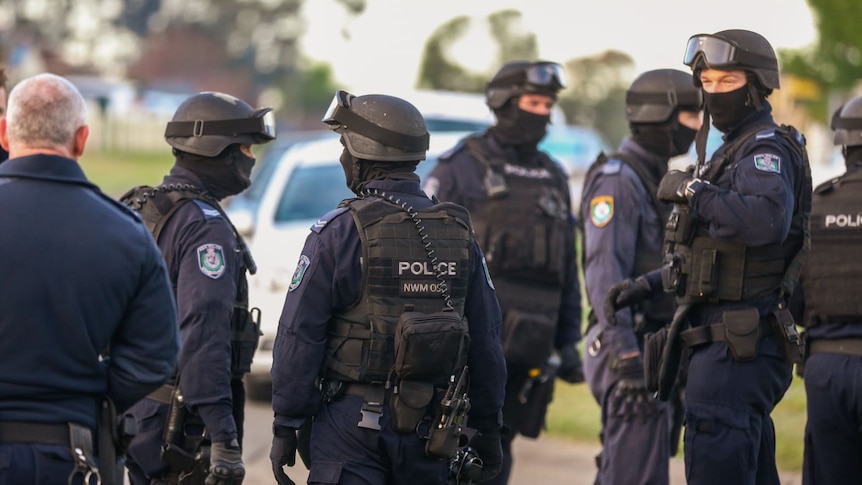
547 74
335 113
715 52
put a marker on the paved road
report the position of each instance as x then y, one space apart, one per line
546 461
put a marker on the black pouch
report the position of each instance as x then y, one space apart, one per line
654 344
742 333
444 442
409 403
245 329
792 345
429 346
528 338
536 408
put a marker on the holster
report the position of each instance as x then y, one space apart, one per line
792 343
536 408
654 344
114 437
185 449
671 355
742 333
409 403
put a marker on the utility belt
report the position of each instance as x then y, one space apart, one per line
846 346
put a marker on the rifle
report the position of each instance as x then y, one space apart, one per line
445 437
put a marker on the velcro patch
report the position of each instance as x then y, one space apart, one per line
767 162
601 210
299 272
211 260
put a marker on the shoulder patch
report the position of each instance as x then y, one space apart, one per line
299 272
211 260
760 135
209 211
767 162
329 216
612 166
601 210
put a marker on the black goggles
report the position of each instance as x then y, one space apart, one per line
260 126
542 74
717 53
339 117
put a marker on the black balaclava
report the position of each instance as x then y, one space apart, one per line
516 127
667 139
727 110
226 174
358 172
852 156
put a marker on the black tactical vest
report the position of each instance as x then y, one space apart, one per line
699 268
833 275
397 273
156 206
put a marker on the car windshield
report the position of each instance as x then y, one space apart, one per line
311 192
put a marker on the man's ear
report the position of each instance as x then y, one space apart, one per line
80 141
4 139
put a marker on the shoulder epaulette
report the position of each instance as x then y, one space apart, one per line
329 216
612 166
208 210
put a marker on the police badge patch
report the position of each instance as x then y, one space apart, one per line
211 260
767 162
601 210
299 272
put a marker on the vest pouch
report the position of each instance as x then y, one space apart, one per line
429 346
742 333
528 338
409 403
654 344
245 334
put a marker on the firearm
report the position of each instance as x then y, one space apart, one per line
183 451
445 437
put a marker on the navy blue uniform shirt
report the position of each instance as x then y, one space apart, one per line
81 274
203 261
331 283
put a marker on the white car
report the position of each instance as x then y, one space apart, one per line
305 182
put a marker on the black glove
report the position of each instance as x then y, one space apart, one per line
625 294
672 186
631 398
226 466
571 368
283 452
490 450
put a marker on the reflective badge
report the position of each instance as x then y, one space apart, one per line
487 273
301 266
767 162
211 260
601 210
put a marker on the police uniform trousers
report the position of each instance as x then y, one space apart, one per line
144 461
833 434
22 464
343 453
636 449
729 434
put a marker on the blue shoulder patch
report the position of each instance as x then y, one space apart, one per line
768 133
612 166
323 221
209 211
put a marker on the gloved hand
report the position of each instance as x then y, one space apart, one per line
672 186
283 452
625 294
631 398
490 450
226 466
571 367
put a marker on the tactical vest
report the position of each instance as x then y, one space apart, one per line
523 231
833 275
699 268
398 274
156 206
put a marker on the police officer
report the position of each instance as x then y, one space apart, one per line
90 319
211 135
518 199
831 282
377 274
623 232
732 259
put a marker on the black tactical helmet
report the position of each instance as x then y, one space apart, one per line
655 95
734 49
521 77
847 123
378 127
208 122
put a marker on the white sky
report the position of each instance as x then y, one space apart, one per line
386 41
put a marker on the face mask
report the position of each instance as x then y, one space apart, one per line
683 137
518 127
222 176
350 165
728 109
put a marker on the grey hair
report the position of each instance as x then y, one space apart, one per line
45 111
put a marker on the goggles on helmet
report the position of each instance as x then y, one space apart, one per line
542 74
717 53
260 126
339 117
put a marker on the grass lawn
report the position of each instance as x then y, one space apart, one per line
117 172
